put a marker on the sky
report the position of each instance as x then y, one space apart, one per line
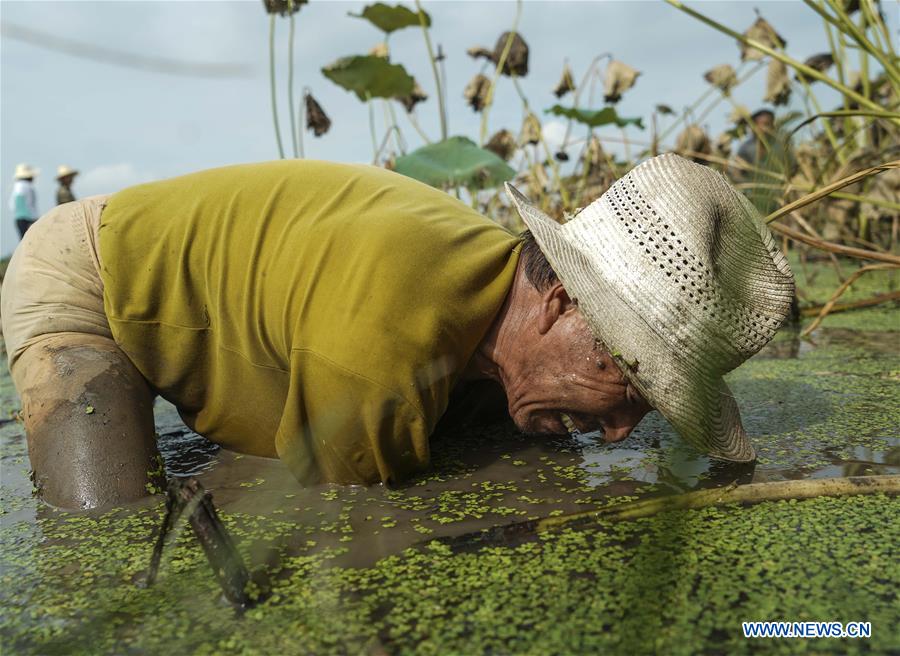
121 125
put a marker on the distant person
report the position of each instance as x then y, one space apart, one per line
65 176
23 202
755 148
766 150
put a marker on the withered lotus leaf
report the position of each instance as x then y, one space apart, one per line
692 141
723 145
594 155
765 34
821 62
723 77
502 143
410 101
476 92
316 118
740 114
620 77
516 63
778 85
531 130
380 50
283 7
566 82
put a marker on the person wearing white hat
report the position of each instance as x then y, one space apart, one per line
23 201
675 274
328 314
65 175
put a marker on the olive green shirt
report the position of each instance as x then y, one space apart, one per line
315 311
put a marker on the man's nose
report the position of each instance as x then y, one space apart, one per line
617 433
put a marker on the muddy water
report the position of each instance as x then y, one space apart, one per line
814 409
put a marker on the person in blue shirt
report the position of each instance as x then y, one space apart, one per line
23 202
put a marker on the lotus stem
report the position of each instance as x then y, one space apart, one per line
878 299
836 57
290 84
706 94
372 130
434 69
398 136
790 61
557 178
418 128
828 190
577 96
878 202
301 122
829 306
880 28
754 128
892 116
829 132
384 141
831 247
847 26
272 85
733 494
489 99
864 59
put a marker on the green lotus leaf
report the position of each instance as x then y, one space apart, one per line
454 162
370 77
387 18
595 117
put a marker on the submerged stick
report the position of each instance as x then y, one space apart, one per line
187 496
731 494
174 511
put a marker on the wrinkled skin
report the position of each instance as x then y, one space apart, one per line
543 353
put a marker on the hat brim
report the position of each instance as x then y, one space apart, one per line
697 403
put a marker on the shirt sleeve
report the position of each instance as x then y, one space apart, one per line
340 427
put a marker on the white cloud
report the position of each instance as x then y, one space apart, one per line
110 178
554 132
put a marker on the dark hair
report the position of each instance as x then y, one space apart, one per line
537 269
763 112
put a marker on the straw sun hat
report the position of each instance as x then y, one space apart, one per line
680 279
64 171
24 171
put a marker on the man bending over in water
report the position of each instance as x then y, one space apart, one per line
324 314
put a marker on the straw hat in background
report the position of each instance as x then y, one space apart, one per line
24 171
64 171
679 278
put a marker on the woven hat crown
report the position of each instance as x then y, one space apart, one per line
694 257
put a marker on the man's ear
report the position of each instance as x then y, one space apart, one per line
555 302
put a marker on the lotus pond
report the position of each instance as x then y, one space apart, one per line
360 570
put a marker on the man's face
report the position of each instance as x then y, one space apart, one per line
765 122
565 372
